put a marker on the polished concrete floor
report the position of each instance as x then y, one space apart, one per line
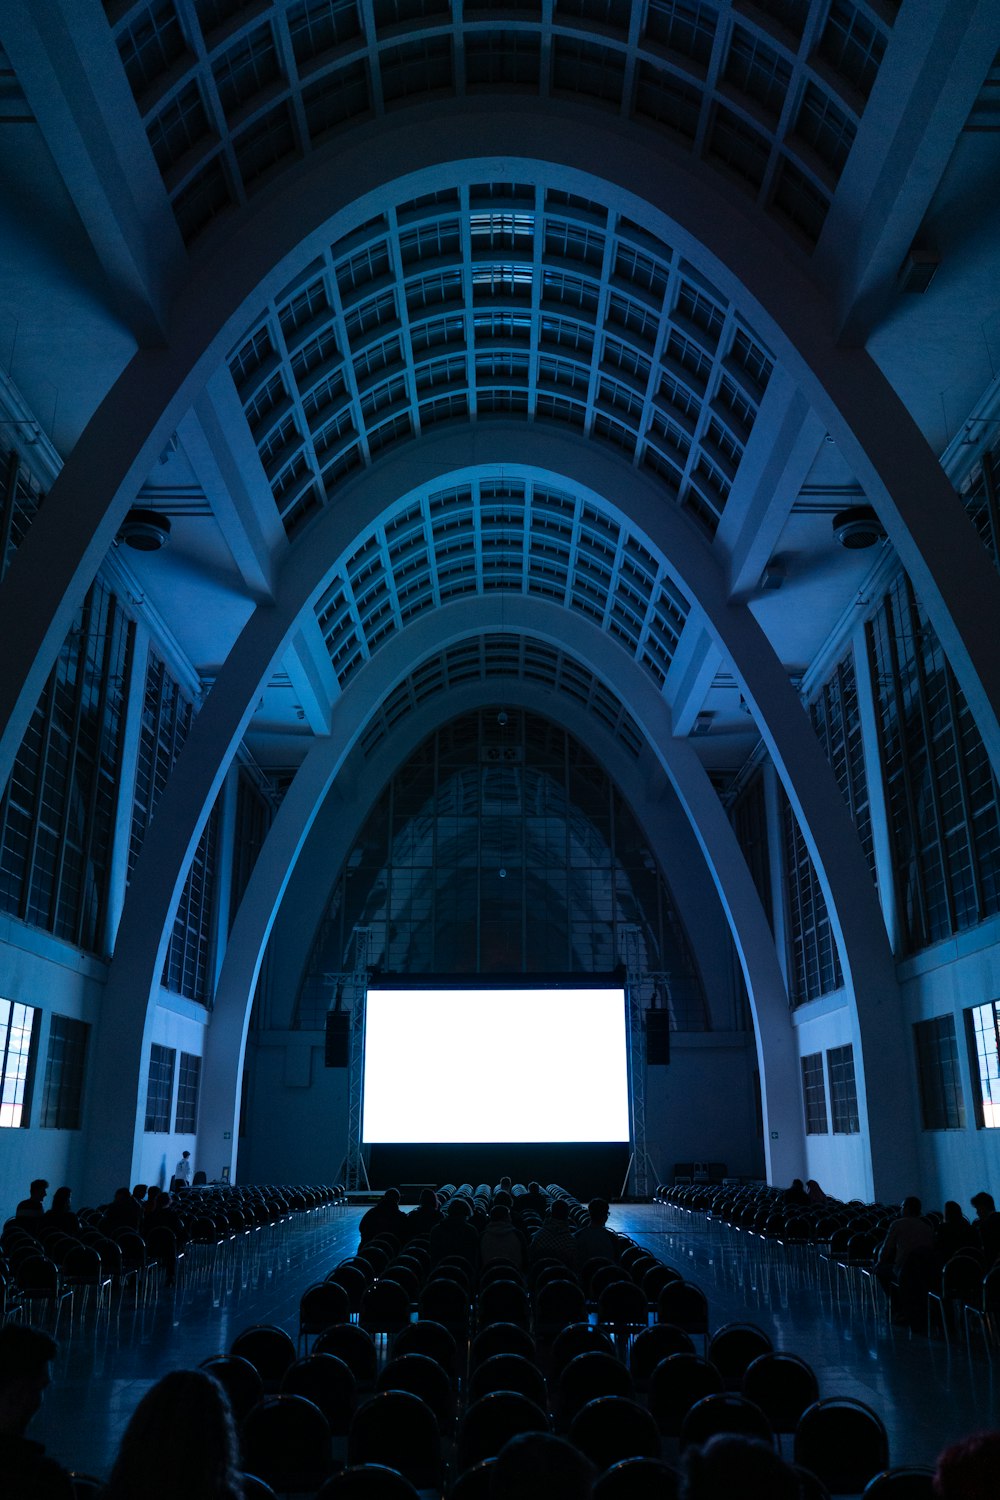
927 1392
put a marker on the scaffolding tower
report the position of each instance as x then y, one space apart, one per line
638 981
356 994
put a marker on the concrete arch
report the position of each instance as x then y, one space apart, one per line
935 540
225 1041
222 723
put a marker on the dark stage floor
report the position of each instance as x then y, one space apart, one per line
926 1394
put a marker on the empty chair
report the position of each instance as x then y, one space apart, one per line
623 1306
685 1306
607 1275
677 1384
843 1442
385 1307
576 1338
503 1302
652 1345
423 1377
901 1484
286 1441
398 1429
239 1379
732 1348
656 1277
637 1479
367 1482
427 1337
353 1280
612 1428
782 1385
500 1338
473 1483
558 1302
329 1383
322 1305
508 1372
269 1349
492 1420
355 1346
724 1412
446 1301
586 1377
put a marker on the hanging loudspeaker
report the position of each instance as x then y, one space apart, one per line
657 1038
338 1038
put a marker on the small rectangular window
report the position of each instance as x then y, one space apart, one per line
843 1090
941 1101
18 1029
159 1094
814 1094
984 1041
186 1118
64 1069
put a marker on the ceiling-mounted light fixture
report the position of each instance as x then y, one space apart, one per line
858 527
144 530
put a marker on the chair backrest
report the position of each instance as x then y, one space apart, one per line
503 1302
843 1442
423 1377
783 1386
427 1337
473 1483
286 1441
508 1372
586 1377
638 1479
269 1349
329 1383
684 1305
733 1348
677 1384
367 1482
623 1302
323 1304
725 1412
652 1345
355 1346
911 1483
239 1379
384 1307
398 1429
500 1338
612 1428
489 1422
574 1339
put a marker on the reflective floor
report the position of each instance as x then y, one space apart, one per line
927 1392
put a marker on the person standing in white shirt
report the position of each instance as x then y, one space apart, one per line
182 1171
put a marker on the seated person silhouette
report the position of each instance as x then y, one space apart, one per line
25 1472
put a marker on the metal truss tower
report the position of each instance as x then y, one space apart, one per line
356 993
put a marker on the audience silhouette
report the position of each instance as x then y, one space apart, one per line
25 1471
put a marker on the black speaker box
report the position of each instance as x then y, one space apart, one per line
657 1038
338 1038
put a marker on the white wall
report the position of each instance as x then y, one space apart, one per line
296 1119
703 1106
50 975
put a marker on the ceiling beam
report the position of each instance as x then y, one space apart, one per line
692 672
932 72
65 60
311 673
218 443
774 466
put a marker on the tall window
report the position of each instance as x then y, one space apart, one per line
814 967
18 1026
814 1094
944 819
837 722
62 1094
187 968
984 1036
57 814
843 1090
20 499
166 720
749 818
941 1099
186 1118
253 818
159 1092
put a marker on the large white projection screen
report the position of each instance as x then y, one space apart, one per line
498 1065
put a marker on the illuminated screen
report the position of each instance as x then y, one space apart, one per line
479 1066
